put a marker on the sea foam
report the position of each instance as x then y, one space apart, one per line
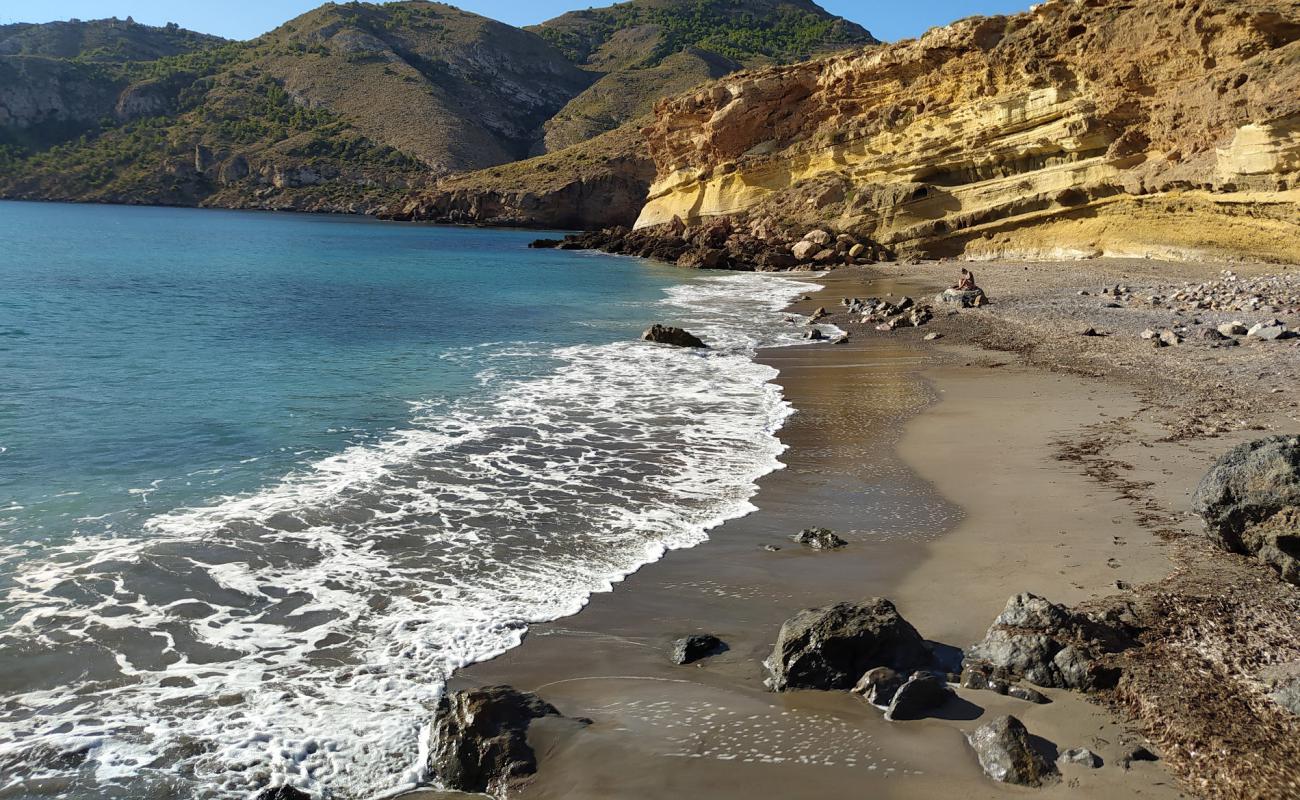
302 633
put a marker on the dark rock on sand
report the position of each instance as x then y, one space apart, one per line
879 685
815 335
481 738
922 693
697 646
1049 645
662 334
283 793
1007 754
832 647
1081 756
819 539
1250 502
1138 753
1028 695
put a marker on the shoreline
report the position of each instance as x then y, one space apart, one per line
844 466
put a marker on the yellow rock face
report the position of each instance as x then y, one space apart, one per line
1161 128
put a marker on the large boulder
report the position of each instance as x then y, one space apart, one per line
922 693
804 251
820 538
1250 502
972 298
662 334
1007 755
1049 645
832 647
480 738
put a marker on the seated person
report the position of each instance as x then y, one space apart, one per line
967 282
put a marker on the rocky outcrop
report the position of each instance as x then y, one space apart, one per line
1007 754
1106 128
833 647
1048 645
1250 502
480 738
663 334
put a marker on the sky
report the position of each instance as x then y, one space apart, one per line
243 19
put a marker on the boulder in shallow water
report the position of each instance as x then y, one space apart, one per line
834 646
694 647
662 334
480 738
283 793
819 539
1007 754
1250 502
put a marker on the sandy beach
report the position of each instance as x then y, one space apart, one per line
960 475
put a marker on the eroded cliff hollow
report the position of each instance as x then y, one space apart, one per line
1161 128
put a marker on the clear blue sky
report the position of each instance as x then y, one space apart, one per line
244 19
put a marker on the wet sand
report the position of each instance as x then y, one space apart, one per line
945 481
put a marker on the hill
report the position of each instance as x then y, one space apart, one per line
648 49
352 107
104 40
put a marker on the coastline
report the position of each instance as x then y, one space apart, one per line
896 444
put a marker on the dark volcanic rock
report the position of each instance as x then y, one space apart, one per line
283 793
1250 501
921 694
832 647
820 539
1007 755
879 685
662 334
481 738
1049 645
694 647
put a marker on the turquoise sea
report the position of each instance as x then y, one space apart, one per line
267 480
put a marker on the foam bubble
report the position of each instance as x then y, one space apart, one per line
302 633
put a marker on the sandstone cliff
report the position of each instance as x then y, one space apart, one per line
1163 128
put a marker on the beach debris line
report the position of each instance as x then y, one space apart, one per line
1007 753
480 738
1250 503
664 334
689 649
819 539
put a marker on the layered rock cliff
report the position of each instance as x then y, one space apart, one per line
1163 128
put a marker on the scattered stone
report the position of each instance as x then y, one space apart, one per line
1007 754
857 251
820 314
1267 331
1149 334
920 694
879 685
843 338
974 678
662 334
824 256
283 793
1028 695
834 646
962 299
1138 753
1081 756
772 548
697 646
1090 332
930 337
1233 329
1250 502
1170 338
481 738
820 539
1287 695
814 335
818 237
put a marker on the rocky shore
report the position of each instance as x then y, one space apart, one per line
1158 650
